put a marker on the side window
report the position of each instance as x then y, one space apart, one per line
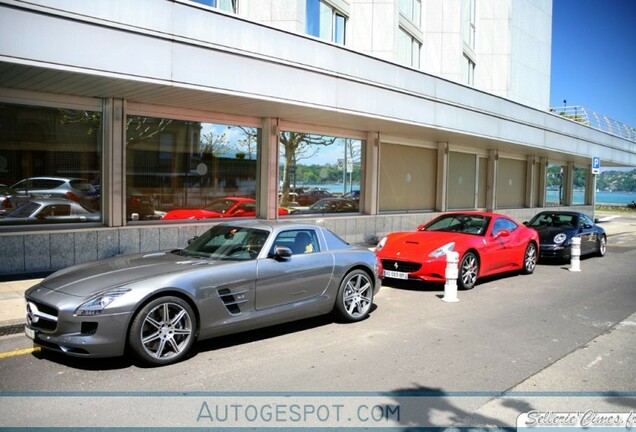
299 241
503 224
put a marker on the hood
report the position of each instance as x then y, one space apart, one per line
547 233
420 243
86 279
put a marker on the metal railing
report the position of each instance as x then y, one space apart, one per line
595 120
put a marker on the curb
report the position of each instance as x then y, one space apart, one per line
11 327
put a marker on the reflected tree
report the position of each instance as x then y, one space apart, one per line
297 146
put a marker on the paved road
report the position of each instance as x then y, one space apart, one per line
444 364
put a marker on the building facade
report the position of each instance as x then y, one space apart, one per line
146 112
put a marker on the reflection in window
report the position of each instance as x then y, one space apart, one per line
325 22
408 49
180 167
580 181
52 153
226 5
411 10
555 185
316 167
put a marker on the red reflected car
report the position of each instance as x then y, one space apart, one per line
487 243
220 208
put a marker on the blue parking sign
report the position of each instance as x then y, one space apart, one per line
596 165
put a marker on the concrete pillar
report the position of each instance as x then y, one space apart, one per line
491 186
113 187
267 171
530 181
542 169
369 202
568 185
442 176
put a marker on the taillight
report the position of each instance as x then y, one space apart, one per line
6 204
135 201
72 196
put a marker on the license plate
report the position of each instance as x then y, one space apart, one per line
395 274
29 333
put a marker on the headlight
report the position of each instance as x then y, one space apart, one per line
560 238
381 244
441 251
96 304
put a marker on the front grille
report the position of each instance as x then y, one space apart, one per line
40 316
401 266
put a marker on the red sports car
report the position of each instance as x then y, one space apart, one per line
487 243
220 208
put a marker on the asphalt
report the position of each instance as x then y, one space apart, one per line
619 226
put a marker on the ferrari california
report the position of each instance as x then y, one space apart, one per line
234 277
220 208
557 229
487 243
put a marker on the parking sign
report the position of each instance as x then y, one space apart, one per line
596 165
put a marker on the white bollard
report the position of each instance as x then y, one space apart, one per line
575 255
450 287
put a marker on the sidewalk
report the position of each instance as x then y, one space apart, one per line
620 229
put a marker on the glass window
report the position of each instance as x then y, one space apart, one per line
511 183
580 182
177 169
503 224
555 185
461 180
325 22
50 154
299 241
468 23
317 167
408 49
411 10
226 5
468 71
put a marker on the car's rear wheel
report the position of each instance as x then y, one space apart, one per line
602 245
529 259
355 296
468 271
163 331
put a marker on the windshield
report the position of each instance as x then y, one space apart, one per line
462 223
568 221
227 243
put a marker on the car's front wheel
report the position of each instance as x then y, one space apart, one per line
529 259
602 245
163 331
355 296
468 271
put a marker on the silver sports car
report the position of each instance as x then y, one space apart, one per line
236 276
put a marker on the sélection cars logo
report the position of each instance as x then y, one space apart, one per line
577 419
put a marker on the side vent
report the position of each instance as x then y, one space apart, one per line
232 300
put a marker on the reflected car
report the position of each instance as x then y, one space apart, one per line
312 196
220 208
50 210
140 205
487 244
75 189
236 276
10 199
332 205
556 230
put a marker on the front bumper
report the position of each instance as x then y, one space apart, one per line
53 325
431 270
551 251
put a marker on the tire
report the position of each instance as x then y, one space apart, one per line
529 259
468 271
602 246
355 296
163 331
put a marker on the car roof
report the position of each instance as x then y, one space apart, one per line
269 225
